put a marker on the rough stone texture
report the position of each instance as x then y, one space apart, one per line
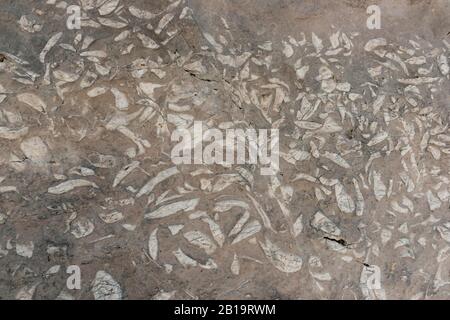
364 140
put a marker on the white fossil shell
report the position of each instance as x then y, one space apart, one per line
170 209
108 7
375 43
111 217
317 42
141 14
124 172
121 99
433 201
443 64
283 261
49 45
337 159
344 200
235 267
70 185
322 223
153 244
248 230
12 134
165 20
36 150
175 228
200 240
184 259
33 101
147 42
297 227
378 138
82 227
112 23
164 295
25 249
152 183
379 188
105 287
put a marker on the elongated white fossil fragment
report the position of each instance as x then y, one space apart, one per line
374 43
418 81
322 223
141 14
147 42
33 101
36 150
12 134
184 259
162 295
235 267
170 209
337 159
49 45
283 261
65 76
217 46
379 188
308 125
444 231
216 232
153 244
240 223
108 7
164 22
111 23
288 51
378 138
111 217
443 64
124 172
5 189
344 200
200 240
248 230
304 176
433 201
70 185
225 205
317 42
262 213
297 226
161 176
97 91
359 198
307 109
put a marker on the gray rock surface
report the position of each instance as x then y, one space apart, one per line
359 208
